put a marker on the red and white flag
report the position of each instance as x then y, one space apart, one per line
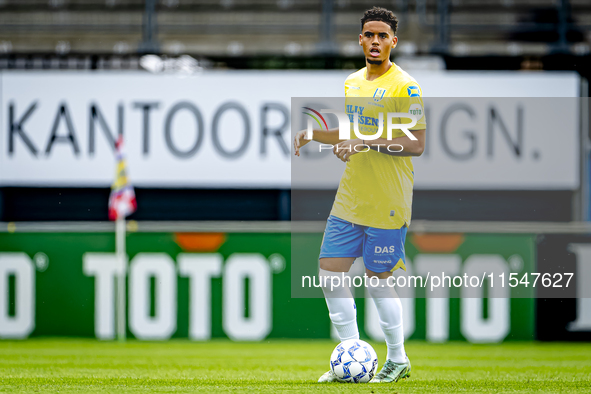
122 201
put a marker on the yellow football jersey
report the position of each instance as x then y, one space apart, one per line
376 188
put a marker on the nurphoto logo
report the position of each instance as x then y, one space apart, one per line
345 120
414 114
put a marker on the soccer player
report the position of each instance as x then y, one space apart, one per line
372 207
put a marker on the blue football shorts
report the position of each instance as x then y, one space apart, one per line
382 249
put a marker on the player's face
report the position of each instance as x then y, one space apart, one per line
377 40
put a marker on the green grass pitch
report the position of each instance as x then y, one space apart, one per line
87 366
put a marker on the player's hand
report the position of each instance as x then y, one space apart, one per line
345 149
299 141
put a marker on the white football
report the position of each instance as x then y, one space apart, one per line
354 361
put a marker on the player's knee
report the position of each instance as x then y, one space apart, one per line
331 282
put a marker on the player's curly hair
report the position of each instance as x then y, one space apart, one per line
382 15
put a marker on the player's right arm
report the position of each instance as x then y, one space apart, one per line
330 136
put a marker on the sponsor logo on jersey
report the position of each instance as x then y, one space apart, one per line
413 91
416 110
366 123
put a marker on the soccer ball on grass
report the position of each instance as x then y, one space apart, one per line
354 361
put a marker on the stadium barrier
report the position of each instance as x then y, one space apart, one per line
203 280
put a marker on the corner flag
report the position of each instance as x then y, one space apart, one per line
122 201
121 204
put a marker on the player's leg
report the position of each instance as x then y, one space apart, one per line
384 253
389 310
340 303
342 243
339 300
397 365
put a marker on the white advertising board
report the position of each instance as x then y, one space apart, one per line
232 129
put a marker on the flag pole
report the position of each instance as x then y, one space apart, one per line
122 203
122 259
